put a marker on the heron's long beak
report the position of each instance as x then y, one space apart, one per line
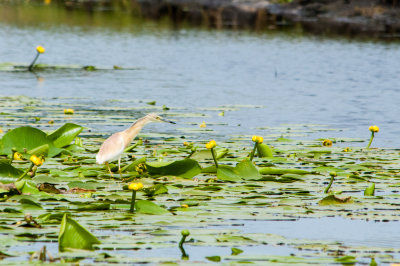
172 122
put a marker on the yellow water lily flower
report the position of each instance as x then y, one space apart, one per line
69 111
36 160
347 149
374 129
40 49
135 186
327 143
185 206
257 139
211 144
202 125
17 156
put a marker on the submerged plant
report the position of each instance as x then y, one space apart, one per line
134 187
257 140
373 129
39 50
211 145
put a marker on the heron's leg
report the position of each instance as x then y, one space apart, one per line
109 170
119 166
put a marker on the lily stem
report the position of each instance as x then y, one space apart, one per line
26 172
370 141
132 209
253 151
330 184
182 241
214 157
33 62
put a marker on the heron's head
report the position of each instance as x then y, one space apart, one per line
153 117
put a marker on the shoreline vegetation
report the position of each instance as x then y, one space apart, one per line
363 18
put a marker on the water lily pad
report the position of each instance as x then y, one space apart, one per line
148 207
263 150
186 168
74 236
26 138
333 199
65 134
7 170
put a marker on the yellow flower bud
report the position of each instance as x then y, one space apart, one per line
69 111
327 143
211 144
374 128
135 186
185 206
40 49
202 125
36 160
254 138
17 156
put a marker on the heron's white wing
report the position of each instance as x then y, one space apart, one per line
111 149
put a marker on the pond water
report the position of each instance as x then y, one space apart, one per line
292 78
296 79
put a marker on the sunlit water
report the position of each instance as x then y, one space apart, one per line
296 79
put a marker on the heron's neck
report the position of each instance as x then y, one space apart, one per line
134 129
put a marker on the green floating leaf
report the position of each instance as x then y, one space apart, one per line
264 151
95 207
148 207
155 190
281 171
7 170
236 251
26 138
228 173
244 170
347 260
74 236
30 204
187 168
65 134
206 154
333 199
214 258
26 187
247 170
370 191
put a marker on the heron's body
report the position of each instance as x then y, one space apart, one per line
113 147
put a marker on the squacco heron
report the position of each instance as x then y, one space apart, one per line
113 147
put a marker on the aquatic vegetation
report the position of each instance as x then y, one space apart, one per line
39 50
134 187
211 145
373 129
71 198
